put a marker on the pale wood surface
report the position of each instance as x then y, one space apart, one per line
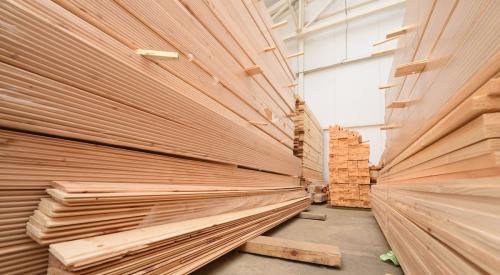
294 250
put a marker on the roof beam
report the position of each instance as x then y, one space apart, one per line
319 12
353 16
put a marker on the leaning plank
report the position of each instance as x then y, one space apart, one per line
185 245
312 216
294 250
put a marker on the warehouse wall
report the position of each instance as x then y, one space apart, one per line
341 83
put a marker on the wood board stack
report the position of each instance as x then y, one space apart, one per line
437 197
374 173
80 102
318 191
177 248
308 143
348 166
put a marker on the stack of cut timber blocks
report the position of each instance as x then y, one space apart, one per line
308 146
318 191
348 166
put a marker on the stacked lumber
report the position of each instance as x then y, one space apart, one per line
349 183
318 191
308 143
175 102
177 248
374 173
437 197
77 210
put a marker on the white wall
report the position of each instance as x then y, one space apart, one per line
347 94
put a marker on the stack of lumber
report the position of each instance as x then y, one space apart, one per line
176 248
78 210
318 191
349 183
374 173
308 143
437 197
104 94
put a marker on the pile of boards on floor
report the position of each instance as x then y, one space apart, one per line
349 184
308 146
438 197
159 131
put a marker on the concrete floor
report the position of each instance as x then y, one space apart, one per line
355 232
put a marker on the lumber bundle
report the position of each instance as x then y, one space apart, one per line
308 143
177 248
150 106
78 210
437 197
348 166
318 191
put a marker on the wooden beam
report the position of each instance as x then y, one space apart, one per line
385 40
319 12
294 250
397 104
411 68
295 55
253 70
398 32
387 86
384 52
279 24
390 126
161 55
383 5
312 216
270 48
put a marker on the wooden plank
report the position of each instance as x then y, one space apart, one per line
384 40
411 68
101 252
383 52
387 86
185 97
475 105
398 32
253 70
390 127
161 55
295 55
294 250
460 68
312 216
397 104
279 24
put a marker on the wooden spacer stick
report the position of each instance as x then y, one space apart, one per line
390 126
398 32
291 85
279 24
384 41
411 68
384 52
253 70
295 55
270 48
386 86
397 104
162 55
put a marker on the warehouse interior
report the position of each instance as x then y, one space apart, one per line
249 137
